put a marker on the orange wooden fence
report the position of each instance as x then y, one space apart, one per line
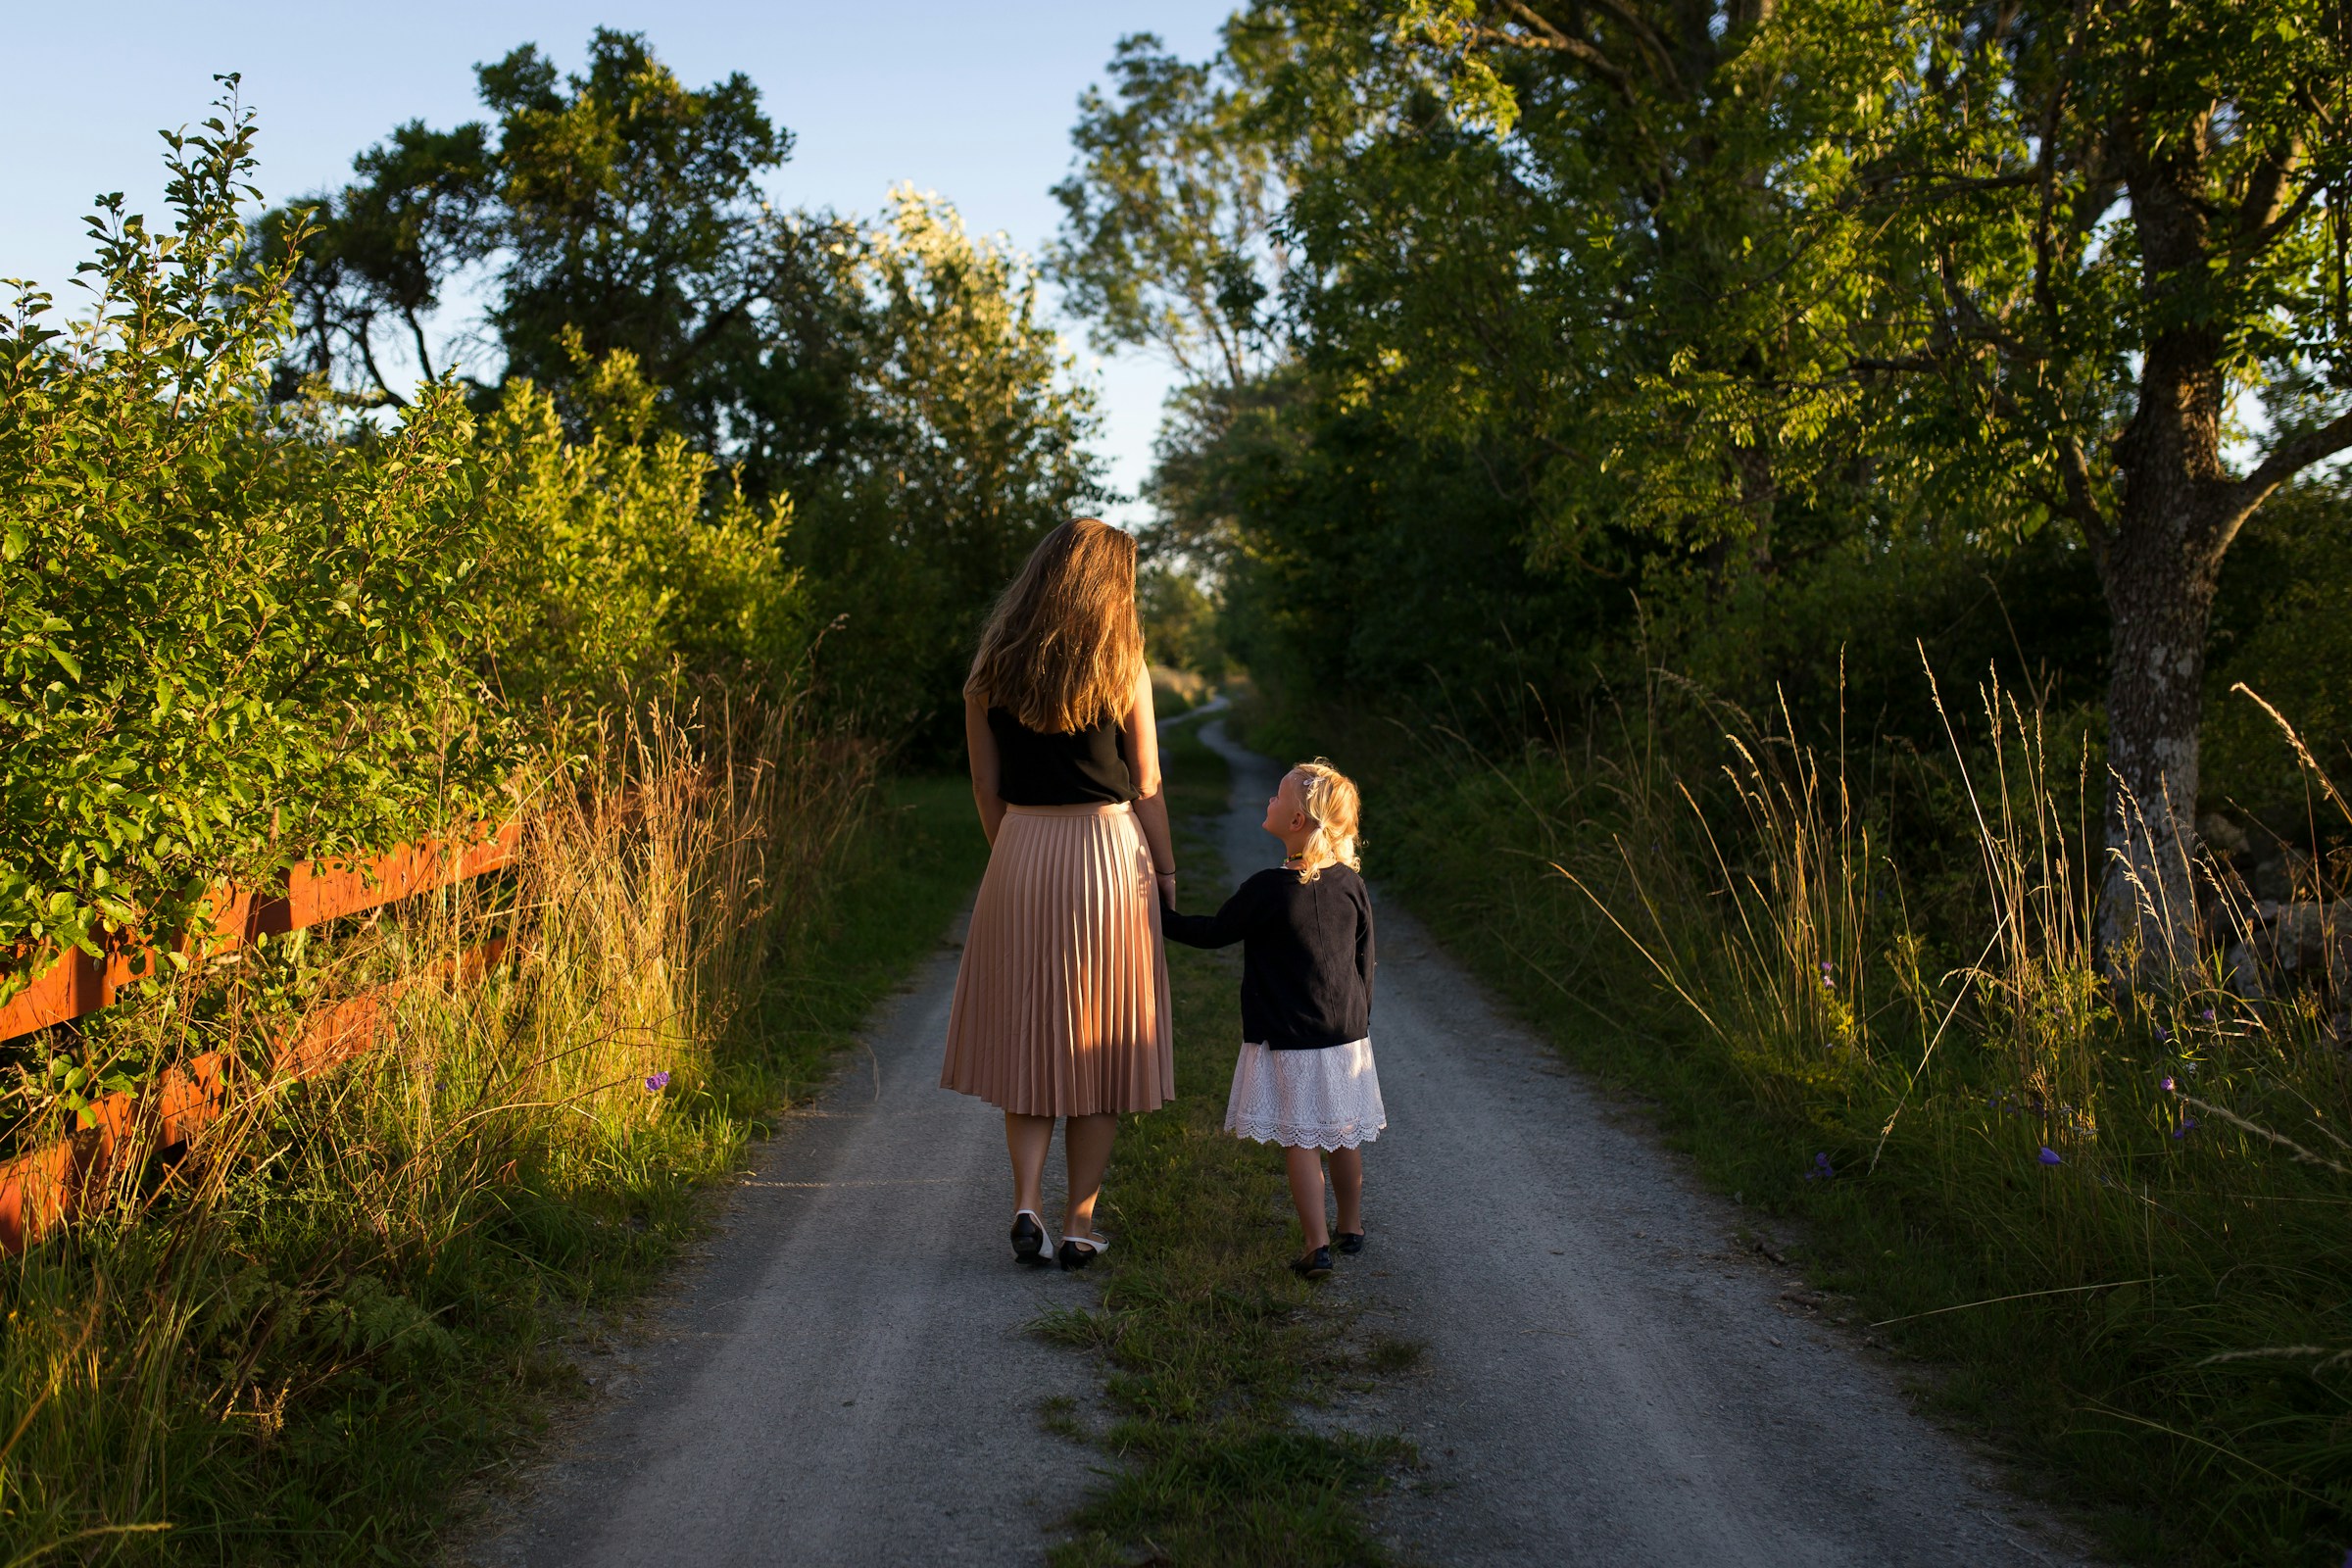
43 1189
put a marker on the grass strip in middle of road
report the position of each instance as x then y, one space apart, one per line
1211 1341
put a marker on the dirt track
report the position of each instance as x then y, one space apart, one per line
1609 1379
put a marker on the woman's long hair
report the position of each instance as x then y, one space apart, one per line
1062 648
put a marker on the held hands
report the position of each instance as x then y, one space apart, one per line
1166 881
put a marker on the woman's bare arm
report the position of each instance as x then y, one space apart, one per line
1152 801
980 744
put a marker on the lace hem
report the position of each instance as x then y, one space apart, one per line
1327 1098
1292 1135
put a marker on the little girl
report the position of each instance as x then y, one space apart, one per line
1305 1079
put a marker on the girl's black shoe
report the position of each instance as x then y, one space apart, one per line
1315 1265
1028 1237
1351 1242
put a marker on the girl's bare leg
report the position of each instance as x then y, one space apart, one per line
1027 1138
1305 1166
1347 1186
1086 1141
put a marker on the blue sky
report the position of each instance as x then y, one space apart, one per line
972 100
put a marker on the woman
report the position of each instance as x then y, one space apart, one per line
1062 1002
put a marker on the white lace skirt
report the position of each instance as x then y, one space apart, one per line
1326 1099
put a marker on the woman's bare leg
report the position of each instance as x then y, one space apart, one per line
1305 1166
1347 1186
1027 1138
1086 1141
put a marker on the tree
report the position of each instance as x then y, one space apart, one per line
619 205
1692 275
971 445
1169 234
2111 222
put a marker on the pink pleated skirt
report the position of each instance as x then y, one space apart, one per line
1061 1002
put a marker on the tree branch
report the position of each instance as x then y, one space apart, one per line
1646 37
424 357
1561 43
2291 456
2258 215
2046 173
2074 470
383 387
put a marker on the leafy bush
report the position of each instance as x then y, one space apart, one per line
233 636
609 555
242 631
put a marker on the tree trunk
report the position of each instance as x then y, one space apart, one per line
2159 586
2159 566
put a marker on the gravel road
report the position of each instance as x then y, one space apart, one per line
1609 1377
843 1377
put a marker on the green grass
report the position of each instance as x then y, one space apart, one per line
364 1309
1209 1342
911 868
2092 1318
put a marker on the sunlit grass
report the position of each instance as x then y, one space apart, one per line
349 1295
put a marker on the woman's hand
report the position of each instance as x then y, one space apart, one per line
1167 886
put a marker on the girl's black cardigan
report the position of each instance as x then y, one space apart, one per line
1307 956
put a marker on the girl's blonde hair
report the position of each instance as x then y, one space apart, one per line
1334 806
1063 647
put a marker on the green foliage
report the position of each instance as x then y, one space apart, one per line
611 554
244 631
1180 621
233 640
1732 303
1169 217
2281 628
974 449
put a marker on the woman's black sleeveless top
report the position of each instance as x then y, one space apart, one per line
1084 767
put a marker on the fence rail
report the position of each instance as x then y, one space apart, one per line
45 1186
79 984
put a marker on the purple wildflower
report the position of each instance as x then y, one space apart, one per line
2170 1085
2162 1033
2188 1124
2049 1156
1822 1169
657 1082
2207 1015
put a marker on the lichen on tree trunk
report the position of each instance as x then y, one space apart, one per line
2160 596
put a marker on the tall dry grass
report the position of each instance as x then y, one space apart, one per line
1864 989
281 1344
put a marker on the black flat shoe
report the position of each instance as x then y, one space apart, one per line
1315 1265
1076 1253
1351 1242
1028 1239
